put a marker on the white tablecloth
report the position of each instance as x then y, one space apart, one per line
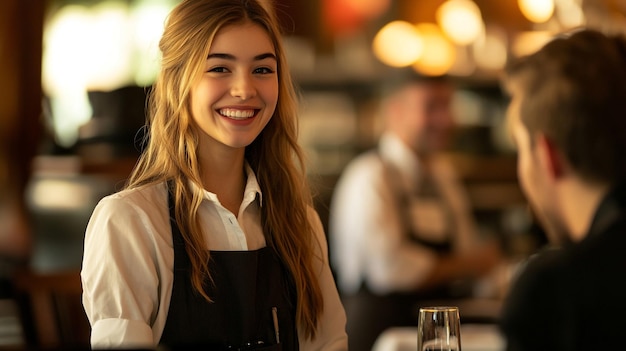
474 337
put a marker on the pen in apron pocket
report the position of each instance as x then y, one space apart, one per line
275 318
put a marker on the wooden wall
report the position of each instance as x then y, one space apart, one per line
21 28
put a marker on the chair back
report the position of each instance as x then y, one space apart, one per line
51 310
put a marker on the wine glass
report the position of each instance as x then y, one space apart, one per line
439 329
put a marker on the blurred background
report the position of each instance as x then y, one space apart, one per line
75 74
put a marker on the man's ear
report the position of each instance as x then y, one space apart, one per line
550 156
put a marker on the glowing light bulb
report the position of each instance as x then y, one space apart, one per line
397 44
537 11
439 54
526 43
490 51
460 20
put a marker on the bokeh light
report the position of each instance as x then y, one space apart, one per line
490 50
398 44
460 20
439 53
526 43
537 11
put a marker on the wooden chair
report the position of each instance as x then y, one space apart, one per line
51 310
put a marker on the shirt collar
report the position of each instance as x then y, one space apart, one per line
611 208
401 157
252 184
252 188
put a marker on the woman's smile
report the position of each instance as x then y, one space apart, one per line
237 113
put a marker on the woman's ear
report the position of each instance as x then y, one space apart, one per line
550 156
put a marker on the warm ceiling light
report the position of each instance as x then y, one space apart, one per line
537 11
439 53
569 13
526 43
460 20
397 44
490 51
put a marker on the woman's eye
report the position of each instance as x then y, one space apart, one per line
218 69
263 70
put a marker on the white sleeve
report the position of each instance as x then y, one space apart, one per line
368 236
331 331
122 272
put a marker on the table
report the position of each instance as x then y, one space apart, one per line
474 337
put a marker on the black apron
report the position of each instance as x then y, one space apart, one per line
250 291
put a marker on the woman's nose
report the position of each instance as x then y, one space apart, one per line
243 87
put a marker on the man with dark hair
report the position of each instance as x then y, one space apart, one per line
568 118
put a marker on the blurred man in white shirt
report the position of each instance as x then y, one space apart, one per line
400 225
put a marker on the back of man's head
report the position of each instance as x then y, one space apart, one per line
574 91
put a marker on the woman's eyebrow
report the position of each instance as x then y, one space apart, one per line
232 57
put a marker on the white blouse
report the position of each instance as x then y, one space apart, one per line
128 260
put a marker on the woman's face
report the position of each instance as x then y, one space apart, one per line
237 94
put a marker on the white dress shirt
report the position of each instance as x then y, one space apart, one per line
366 230
127 270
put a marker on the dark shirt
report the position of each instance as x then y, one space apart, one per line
573 298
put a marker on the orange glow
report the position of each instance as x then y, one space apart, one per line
537 11
397 44
439 54
461 20
347 16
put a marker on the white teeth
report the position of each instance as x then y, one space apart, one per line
236 114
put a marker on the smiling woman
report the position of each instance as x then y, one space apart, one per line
214 241
236 96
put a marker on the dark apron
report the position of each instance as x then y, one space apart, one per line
247 286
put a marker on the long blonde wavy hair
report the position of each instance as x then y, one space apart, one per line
171 149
